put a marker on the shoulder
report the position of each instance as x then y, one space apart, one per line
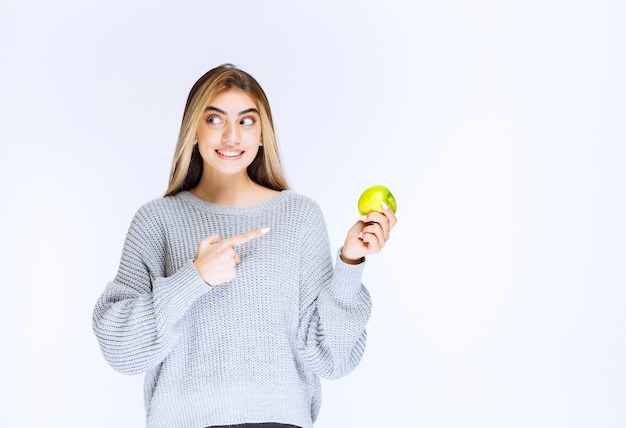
305 215
162 205
154 213
151 209
301 205
153 223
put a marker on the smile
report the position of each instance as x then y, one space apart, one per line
229 154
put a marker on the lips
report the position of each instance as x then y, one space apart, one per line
229 154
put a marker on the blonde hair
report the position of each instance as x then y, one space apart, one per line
265 169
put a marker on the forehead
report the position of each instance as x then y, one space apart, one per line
232 99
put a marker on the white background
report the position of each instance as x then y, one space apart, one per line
499 126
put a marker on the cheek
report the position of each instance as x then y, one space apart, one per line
256 137
252 152
206 143
206 135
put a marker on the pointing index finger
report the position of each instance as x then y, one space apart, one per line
246 236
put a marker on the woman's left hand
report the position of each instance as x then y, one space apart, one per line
368 235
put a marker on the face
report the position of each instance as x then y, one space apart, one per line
229 134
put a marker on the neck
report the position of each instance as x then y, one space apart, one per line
226 190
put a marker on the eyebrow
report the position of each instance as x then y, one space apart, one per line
219 110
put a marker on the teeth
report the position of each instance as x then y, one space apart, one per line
229 154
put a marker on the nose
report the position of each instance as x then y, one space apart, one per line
230 136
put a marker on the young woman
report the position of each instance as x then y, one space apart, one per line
227 296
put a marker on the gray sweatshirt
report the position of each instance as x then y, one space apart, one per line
249 350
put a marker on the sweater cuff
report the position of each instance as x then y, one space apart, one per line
347 279
178 292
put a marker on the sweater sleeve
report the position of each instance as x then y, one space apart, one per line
135 319
335 307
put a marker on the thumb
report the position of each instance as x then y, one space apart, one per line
209 240
356 229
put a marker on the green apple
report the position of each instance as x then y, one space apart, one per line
372 198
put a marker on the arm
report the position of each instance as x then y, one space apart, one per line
135 319
334 306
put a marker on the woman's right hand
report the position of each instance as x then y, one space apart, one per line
216 260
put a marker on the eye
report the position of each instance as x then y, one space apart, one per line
213 119
248 121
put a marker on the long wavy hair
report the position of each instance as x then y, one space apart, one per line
266 168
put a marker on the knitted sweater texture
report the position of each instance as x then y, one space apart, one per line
249 350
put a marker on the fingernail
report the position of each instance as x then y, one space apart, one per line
265 230
384 205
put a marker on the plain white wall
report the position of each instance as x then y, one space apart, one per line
500 127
